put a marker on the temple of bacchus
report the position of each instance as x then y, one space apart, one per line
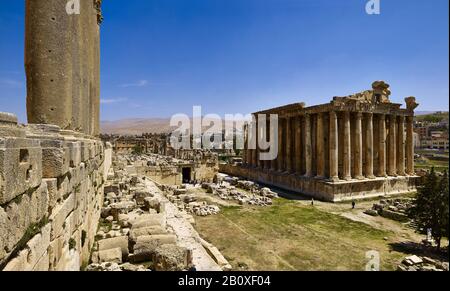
354 147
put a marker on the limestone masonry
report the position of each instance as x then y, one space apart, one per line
354 147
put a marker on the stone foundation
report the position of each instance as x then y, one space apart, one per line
51 192
326 190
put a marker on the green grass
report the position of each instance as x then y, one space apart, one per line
289 236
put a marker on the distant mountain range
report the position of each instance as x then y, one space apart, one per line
138 126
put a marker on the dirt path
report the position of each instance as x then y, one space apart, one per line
188 237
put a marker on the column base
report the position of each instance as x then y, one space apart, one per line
334 179
348 178
319 177
360 178
371 177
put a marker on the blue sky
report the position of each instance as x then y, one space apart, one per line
161 57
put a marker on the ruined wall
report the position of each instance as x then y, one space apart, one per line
167 175
51 193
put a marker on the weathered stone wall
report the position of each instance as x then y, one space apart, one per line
51 193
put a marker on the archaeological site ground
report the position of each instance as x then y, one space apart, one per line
107 162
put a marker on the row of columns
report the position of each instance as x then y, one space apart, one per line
309 146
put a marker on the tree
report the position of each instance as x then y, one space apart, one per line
430 209
138 149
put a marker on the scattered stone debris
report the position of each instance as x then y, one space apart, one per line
394 209
416 263
134 233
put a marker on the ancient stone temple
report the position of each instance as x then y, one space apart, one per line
353 147
52 171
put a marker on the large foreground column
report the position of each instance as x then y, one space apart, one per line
48 63
62 60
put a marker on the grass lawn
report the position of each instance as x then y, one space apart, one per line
291 236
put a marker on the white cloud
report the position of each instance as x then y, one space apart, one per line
11 83
140 83
112 101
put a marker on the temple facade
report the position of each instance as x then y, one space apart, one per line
354 147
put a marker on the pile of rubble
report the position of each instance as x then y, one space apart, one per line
231 189
133 233
394 209
415 263
188 203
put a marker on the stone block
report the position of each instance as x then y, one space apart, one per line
18 216
30 257
145 231
59 215
172 258
20 167
110 256
74 153
55 159
148 220
145 246
53 194
116 242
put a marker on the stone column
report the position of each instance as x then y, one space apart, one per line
245 150
298 146
288 145
401 146
257 151
334 153
392 168
48 63
273 163
267 162
96 65
320 147
382 146
358 159
347 147
308 145
410 146
369 146
281 151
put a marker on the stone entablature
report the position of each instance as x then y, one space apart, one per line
360 137
51 193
